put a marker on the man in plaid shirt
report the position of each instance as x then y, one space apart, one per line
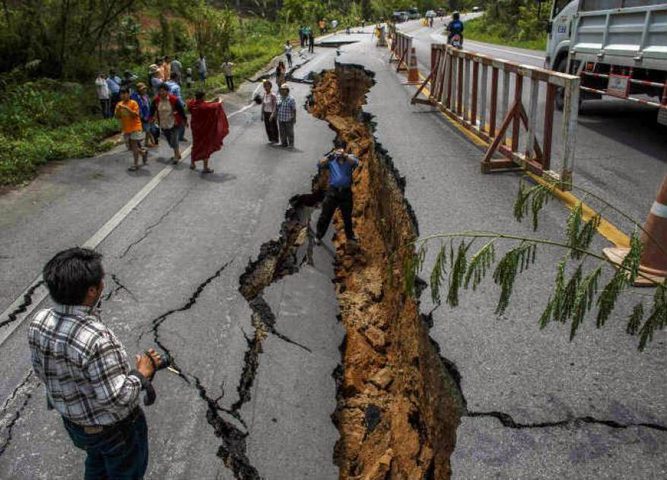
86 372
286 111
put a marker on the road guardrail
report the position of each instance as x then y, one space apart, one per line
466 86
401 48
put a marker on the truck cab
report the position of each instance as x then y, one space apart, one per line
560 31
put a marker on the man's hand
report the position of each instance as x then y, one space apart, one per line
144 365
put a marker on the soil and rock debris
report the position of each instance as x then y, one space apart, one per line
398 406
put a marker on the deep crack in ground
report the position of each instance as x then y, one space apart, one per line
398 408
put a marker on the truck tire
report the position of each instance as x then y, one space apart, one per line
560 93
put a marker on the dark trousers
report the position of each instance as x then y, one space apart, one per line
105 105
119 452
230 82
286 133
289 59
311 45
341 199
115 98
271 127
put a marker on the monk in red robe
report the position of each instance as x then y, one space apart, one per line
209 127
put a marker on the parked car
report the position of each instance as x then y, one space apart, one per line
399 17
413 13
430 14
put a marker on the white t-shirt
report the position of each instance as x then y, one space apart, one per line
288 49
102 89
165 114
269 103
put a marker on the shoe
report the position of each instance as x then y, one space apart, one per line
207 170
192 166
133 168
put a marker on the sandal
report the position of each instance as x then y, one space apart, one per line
207 170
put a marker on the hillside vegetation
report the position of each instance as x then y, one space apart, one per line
515 23
51 51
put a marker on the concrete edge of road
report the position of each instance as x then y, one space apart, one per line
605 228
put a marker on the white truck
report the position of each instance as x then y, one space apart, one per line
617 47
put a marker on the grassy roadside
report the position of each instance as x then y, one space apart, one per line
476 30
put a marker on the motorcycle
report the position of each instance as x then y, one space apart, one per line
456 40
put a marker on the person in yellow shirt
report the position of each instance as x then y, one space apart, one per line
127 111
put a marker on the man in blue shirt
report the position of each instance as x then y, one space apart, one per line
113 82
455 27
339 194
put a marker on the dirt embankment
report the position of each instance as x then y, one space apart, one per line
398 409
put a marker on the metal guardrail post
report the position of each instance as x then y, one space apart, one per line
475 101
570 118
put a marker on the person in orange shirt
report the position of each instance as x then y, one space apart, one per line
127 111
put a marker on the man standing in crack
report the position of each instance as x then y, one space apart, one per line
86 372
339 193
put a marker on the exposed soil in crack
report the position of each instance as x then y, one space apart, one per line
398 405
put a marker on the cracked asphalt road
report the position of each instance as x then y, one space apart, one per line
173 268
190 227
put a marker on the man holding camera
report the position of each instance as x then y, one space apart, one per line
339 193
86 372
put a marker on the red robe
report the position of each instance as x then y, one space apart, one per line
209 127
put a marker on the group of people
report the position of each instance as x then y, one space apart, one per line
307 38
279 114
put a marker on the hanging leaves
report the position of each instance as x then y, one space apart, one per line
513 262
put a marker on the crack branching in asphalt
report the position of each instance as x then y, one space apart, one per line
118 288
509 422
277 259
150 228
27 301
22 389
233 448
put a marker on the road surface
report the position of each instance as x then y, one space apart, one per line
538 406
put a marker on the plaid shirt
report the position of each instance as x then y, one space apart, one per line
83 366
286 109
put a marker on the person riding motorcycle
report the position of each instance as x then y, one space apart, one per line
455 27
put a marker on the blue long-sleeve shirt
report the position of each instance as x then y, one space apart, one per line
340 169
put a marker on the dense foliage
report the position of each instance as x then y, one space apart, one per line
512 22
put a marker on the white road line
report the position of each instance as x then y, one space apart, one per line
511 52
40 293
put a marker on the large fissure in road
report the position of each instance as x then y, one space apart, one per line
398 404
